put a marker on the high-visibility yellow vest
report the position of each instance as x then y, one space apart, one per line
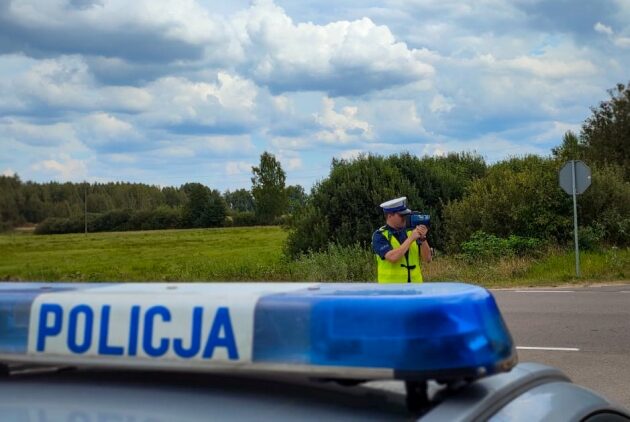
406 270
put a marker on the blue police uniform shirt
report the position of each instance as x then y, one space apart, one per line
380 244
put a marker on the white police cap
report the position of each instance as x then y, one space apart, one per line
398 206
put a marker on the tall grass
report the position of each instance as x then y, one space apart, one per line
555 267
255 254
337 263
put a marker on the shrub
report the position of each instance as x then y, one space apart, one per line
605 206
244 219
5 225
517 197
54 225
161 218
525 246
484 246
590 237
167 218
117 220
140 220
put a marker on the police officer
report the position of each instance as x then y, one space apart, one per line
399 250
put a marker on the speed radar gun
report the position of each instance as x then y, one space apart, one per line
417 219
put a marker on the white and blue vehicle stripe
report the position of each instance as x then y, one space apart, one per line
344 330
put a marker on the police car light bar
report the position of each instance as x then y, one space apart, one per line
362 331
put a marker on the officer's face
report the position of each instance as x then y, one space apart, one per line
397 221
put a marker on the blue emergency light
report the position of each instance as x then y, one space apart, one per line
362 331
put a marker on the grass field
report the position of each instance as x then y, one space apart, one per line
211 254
255 254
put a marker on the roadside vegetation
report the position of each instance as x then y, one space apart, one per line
256 254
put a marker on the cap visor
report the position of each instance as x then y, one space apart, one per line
404 212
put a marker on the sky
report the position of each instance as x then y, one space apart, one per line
165 93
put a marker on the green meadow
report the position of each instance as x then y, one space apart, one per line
256 254
161 255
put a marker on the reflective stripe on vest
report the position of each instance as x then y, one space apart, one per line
405 270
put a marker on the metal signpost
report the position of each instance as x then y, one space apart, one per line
575 178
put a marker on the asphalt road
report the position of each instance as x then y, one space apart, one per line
584 331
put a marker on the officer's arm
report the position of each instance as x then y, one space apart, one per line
397 253
425 251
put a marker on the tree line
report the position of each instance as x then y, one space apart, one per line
68 207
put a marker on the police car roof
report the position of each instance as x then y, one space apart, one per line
360 331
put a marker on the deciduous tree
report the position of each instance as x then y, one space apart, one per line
270 196
606 133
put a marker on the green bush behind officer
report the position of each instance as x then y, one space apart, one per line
399 250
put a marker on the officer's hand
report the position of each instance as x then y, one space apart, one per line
415 234
422 231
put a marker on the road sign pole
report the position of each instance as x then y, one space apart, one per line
574 178
85 205
575 222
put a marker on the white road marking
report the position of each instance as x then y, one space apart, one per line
556 349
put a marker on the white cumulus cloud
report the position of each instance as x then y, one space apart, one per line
600 27
106 132
343 126
106 125
619 41
290 143
230 100
66 82
38 135
227 144
186 20
552 68
340 57
237 168
64 168
440 104
623 42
